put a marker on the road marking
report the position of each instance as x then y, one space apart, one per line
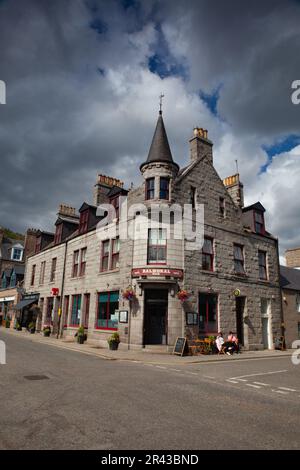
208 376
242 380
254 386
232 381
288 389
261 373
280 391
176 370
261 383
161 367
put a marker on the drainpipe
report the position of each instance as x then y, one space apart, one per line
60 323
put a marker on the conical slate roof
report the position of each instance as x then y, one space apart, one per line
160 148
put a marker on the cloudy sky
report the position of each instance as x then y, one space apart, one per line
83 79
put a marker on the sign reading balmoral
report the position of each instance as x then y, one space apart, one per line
150 272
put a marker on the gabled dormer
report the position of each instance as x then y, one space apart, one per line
253 217
66 224
88 218
43 239
5 278
114 198
17 252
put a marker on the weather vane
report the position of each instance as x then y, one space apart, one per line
161 96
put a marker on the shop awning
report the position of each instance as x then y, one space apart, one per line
24 303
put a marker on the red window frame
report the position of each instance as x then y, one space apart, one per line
84 221
78 299
104 256
42 273
33 274
38 244
75 267
164 192
82 263
58 233
206 296
157 246
86 310
107 312
239 261
66 310
149 190
53 269
259 222
208 255
262 265
114 254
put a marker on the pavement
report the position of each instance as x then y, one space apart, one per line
60 398
140 355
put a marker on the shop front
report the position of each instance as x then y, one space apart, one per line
26 309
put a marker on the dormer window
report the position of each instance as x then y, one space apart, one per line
58 234
17 254
150 188
164 188
38 244
259 222
83 222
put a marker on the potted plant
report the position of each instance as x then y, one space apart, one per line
182 295
113 341
128 293
81 335
47 331
18 326
7 323
31 327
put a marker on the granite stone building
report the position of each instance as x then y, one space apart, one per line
290 285
87 274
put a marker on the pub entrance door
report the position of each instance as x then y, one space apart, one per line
156 315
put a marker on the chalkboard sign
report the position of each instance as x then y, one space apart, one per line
179 346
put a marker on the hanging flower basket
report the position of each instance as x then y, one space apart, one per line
182 295
129 293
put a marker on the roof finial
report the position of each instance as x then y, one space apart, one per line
161 96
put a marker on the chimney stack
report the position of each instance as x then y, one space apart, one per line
292 257
103 186
200 145
66 210
235 189
30 241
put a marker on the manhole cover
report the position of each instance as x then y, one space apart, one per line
36 377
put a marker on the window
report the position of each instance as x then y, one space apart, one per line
76 310
222 206
86 310
83 221
115 253
259 222
104 255
13 280
32 275
38 244
42 272
264 307
53 270
66 310
82 262
238 254
157 246
58 233
17 254
49 311
208 313
75 263
164 188
208 254
108 302
262 262
150 188
116 204
3 281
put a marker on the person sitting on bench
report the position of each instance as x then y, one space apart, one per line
219 341
230 344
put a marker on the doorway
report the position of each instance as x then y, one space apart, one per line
240 310
156 314
265 307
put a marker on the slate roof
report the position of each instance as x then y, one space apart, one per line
7 245
289 278
160 149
